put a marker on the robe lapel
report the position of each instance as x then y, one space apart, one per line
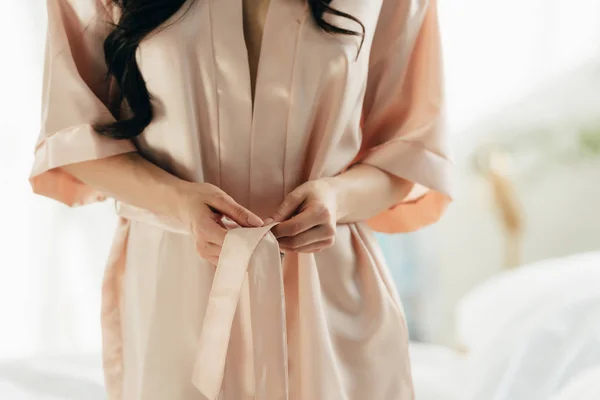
252 143
273 102
234 103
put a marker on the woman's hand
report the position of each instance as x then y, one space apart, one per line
202 208
308 217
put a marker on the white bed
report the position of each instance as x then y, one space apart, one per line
533 333
52 378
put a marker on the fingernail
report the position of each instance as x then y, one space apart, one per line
268 221
255 221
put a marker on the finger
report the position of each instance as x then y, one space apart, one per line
291 203
313 235
295 226
313 247
213 231
231 209
208 249
308 218
219 220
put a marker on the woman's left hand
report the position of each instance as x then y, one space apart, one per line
308 218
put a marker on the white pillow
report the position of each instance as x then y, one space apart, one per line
515 296
535 358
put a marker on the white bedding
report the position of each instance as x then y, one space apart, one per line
58 378
438 372
534 331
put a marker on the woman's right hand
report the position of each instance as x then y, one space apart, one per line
202 208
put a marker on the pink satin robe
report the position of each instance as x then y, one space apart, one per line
325 326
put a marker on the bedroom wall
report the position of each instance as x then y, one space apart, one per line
561 215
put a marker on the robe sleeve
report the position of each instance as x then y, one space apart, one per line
76 95
403 132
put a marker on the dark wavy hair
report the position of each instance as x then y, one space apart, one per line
138 19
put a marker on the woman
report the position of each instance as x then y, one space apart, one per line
165 106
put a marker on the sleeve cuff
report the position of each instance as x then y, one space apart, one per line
414 163
422 167
69 146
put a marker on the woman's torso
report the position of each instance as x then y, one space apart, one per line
304 122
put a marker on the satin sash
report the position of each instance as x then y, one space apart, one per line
255 251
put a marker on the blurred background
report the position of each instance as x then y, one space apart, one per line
502 296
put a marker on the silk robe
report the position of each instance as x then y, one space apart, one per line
324 326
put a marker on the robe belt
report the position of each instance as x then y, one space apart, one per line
252 250
252 253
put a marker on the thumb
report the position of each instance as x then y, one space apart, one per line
232 210
291 203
